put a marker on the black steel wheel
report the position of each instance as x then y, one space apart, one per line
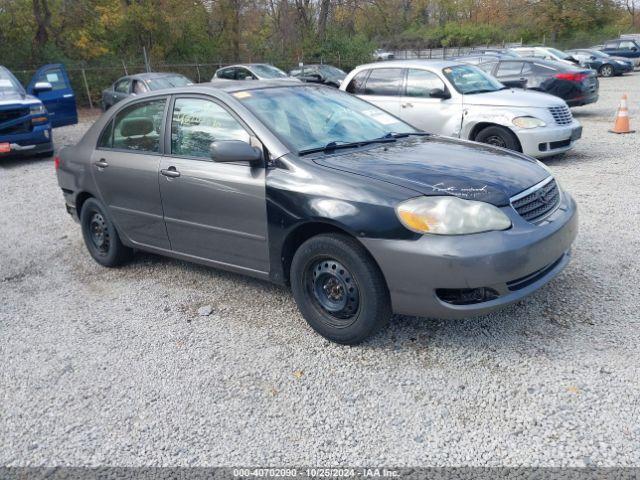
498 137
339 289
100 235
607 70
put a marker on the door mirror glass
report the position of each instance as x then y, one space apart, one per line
234 151
40 87
439 93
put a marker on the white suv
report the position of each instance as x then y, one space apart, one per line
546 53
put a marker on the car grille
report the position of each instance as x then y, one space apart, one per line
535 205
561 115
23 127
6 115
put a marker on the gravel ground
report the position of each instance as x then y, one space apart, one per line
116 367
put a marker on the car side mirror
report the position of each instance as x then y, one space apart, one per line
592 57
40 87
224 151
439 93
634 49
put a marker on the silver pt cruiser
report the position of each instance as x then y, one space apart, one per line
300 184
459 100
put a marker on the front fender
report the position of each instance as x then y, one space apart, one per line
495 115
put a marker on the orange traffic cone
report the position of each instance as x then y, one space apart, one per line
622 118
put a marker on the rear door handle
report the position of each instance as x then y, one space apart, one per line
170 172
407 105
102 163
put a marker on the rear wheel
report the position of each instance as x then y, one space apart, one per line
499 137
100 235
607 70
339 289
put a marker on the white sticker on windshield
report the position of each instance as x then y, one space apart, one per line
5 83
52 77
380 116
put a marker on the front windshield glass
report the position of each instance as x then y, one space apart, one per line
311 117
268 71
558 53
168 82
8 83
329 70
468 79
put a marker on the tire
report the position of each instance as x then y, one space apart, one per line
607 70
499 137
339 289
100 235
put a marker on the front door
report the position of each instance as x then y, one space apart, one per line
60 100
382 88
434 115
213 211
125 167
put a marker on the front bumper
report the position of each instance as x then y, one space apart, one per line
514 263
35 142
546 141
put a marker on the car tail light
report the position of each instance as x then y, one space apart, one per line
572 77
56 162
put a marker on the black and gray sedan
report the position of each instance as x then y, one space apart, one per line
301 184
319 73
141 83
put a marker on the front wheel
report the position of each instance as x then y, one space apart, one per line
100 235
607 71
498 137
339 289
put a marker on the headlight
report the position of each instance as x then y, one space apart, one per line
528 122
450 216
38 108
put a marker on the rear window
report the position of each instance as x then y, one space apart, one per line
356 85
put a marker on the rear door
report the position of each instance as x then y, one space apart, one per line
510 74
125 167
383 88
60 100
433 115
213 211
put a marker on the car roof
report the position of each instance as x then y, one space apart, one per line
417 63
248 65
152 75
231 86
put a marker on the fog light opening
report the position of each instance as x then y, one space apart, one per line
466 296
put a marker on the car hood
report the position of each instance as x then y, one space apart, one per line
13 98
433 165
513 97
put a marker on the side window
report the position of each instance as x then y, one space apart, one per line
55 77
509 69
243 74
227 73
384 81
525 53
544 69
487 67
627 45
611 45
356 85
526 69
106 137
137 127
420 83
139 87
122 86
196 123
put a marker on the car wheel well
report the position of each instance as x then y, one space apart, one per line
80 199
482 125
300 235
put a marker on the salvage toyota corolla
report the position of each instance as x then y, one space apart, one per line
360 213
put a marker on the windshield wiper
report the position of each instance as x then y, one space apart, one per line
331 146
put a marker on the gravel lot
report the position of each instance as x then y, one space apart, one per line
116 367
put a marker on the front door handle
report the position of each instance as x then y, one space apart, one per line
102 163
407 105
170 172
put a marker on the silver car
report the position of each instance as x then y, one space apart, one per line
251 71
458 100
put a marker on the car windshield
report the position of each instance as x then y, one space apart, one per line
558 53
268 71
311 117
8 83
468 79
168 82
329 70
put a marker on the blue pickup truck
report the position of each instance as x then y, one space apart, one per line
623 47
28 115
